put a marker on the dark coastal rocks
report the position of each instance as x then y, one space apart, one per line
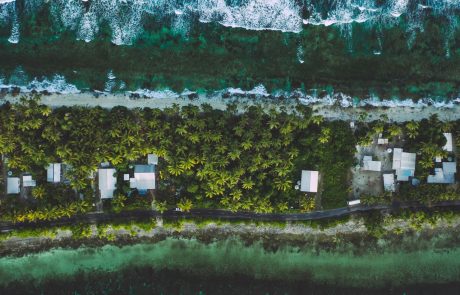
15 91
192 96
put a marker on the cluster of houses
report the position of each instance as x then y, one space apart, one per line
404 163
141 177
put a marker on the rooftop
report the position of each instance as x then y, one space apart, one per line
53 173
107 182
12 185
389 182
449 146
144 177
309 181
404 164
370 165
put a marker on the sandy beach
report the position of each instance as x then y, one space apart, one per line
329 112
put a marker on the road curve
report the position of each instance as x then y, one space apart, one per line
95 218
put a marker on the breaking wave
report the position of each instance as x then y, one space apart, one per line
126 18
19 81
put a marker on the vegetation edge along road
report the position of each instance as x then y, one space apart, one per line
94 218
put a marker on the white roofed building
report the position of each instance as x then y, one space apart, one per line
309 181
27 181
107 182
446 174
144 178
389 182
369 165
12 185
354 202
403 164
152 159
53 173
449 146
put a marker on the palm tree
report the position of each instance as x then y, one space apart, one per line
282 184
185 205
317 120
394 130
175 170
248 184
38 192
325 135
412 129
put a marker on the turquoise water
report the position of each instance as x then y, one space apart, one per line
230 259
361 48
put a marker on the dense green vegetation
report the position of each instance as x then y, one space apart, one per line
209 158
426 139
213 57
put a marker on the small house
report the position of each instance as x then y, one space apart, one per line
449 146
53 173
13 185
403 164
144 178
389 182
107 182
370 165
446 174
354 202
309 181
27 181
381 140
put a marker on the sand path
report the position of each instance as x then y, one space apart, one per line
395 114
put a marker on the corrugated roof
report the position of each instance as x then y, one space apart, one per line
12 185
449 146
53 172
309 181
389 182
107 182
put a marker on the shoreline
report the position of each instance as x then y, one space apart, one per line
330 111
353 235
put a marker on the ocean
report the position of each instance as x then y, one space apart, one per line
363 49
187 266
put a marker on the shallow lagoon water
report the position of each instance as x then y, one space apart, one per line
230 259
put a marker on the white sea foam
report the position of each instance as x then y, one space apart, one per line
155 94
258 91
57 84
15 34
125 17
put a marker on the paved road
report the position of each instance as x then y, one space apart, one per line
94 218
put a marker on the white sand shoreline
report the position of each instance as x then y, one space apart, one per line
329 112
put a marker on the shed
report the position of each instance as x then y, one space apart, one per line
27 181
382 141
389 182
449 167
354 202
12 185
449 146
404 164
107 182
144 177
53 173
446 174
309 181
370 165
152 159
